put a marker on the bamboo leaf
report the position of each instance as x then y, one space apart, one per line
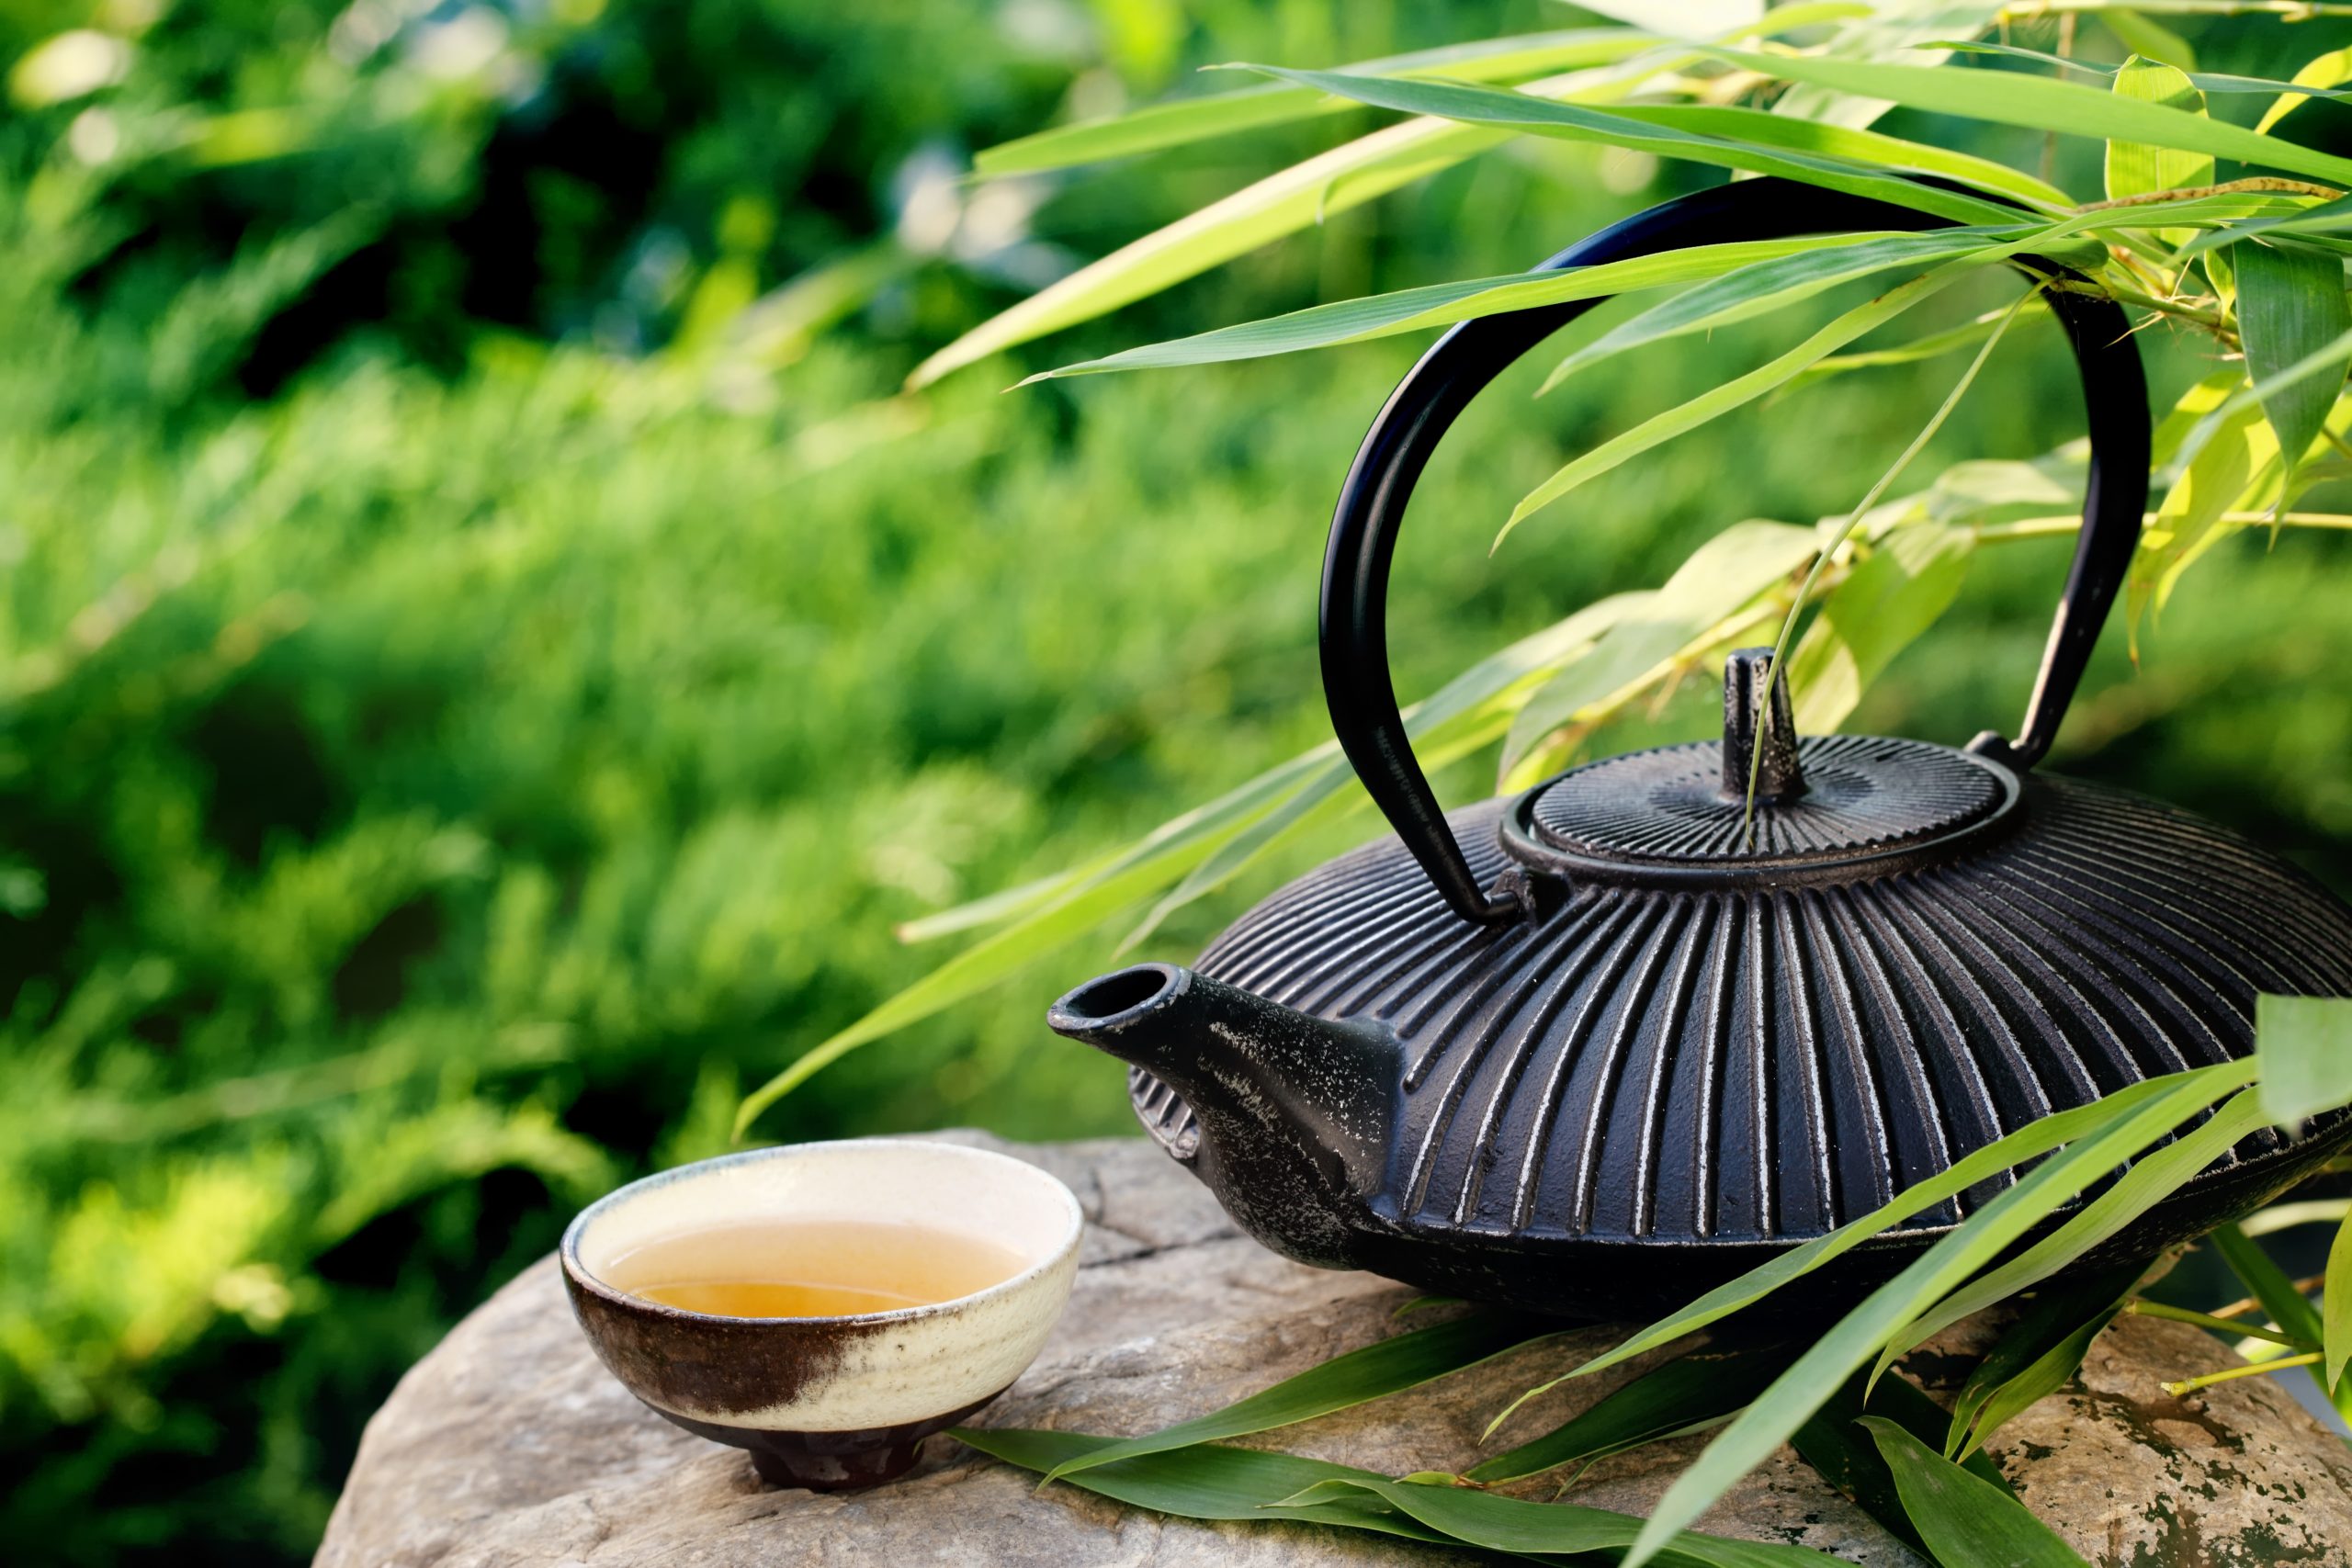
1852 145
2308 221
2135 168
1282 203
1375 1372
2330 70
1767 1422
1732 394
1293 199
1484 686
2146 1184
2175 1095
1437 305
1888 599
1528 114
2150 39
1687 1394
2036 103
2290 305
2036 1355
2267 1284
1157 127
1512 1524
2336 1304
1933 345
2305 1047
1207 1481
1898 29
1841 1452
2231 452
1681 18
1966 1520
1772 283
1718 579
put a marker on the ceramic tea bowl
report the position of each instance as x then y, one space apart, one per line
830 1403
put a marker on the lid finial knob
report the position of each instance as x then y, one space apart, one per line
1773 731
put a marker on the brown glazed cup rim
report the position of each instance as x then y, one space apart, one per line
586 1279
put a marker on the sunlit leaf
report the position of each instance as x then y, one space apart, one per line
1912 31
1932 345
1772 284
1681 18
1966 1521
1282 203
1440 304
1293 199
1386 1367
1156 127
2327 70
1722 399
2240 446
1768 128
2135 168
1888 599
1717 578
1529 114
2305 1047
2036 103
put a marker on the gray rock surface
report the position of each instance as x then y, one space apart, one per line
509 1447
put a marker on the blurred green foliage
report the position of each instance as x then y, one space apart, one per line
487 654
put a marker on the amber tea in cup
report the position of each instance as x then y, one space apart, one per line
812 1268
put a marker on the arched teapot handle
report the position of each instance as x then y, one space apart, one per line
1355 620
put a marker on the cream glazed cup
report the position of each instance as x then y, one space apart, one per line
830 1403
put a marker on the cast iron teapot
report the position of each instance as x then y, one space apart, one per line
1593 1049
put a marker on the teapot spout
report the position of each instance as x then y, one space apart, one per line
1294 1109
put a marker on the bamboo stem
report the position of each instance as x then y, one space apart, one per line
2191 1385
2244 1304
2218 1325
2067 523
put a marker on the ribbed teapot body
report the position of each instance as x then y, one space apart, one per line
1671 1075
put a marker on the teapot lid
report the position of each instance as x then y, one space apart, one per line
1824 804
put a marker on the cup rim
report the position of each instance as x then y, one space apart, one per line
579 1274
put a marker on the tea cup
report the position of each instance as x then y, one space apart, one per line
829 1402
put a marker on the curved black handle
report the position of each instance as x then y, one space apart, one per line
1373 500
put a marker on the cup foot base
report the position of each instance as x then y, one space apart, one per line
831 1461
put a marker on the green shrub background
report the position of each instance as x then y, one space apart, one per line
487 654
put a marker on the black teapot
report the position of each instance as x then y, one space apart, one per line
1593 1049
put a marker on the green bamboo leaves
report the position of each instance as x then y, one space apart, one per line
1157 127
1208 1481
2290 306
2336 1304
2306 1048
2136 169
1375 1372
1966 1521
1440 304
2037 1354
2036 103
